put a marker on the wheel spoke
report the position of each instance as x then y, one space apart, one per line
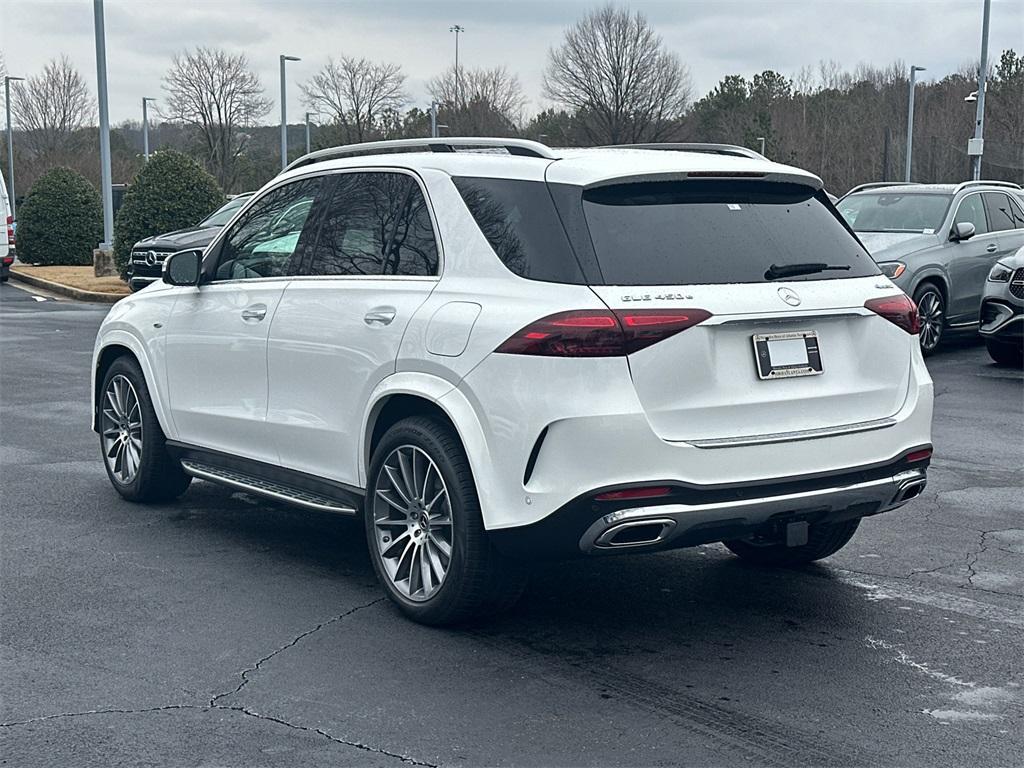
395 483
407 476
394 504
443 547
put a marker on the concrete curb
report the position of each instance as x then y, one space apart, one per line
67 290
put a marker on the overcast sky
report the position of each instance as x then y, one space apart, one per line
714 38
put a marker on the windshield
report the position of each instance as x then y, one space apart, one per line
889 212
223 215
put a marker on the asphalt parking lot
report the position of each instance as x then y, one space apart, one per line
226 631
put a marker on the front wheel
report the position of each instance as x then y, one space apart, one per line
823 539
1009 353
425 532
932 309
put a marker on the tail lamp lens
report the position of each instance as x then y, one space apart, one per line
600 333
898 310
10 230
634 493
919 455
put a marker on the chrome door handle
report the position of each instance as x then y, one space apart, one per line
254 313
991 248
380 316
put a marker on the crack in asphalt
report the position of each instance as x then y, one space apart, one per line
111 711
291 644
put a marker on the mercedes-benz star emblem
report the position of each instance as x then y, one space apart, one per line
789 296
151 258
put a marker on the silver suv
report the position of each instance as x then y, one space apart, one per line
1002 311
938 242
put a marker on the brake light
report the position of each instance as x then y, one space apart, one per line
600 333
898 310
634 493
919 455
10 230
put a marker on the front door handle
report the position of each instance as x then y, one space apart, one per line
380 316
991 248
254 313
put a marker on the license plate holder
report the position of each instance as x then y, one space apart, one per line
787 355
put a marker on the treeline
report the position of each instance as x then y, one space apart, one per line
610 80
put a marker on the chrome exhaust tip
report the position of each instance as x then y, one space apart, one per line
635 533
909 485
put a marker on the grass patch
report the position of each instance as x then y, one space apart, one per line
81 278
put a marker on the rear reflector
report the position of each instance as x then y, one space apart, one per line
10 230
898 310
634 493
600 333
921 455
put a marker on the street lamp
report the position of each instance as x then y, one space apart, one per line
307 133
457 30
10 142
910 118
101 89
760 140
284 112
145 127
976 146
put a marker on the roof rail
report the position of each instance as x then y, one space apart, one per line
520 147
710 149
877 185
982 183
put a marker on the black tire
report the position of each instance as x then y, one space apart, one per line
4 278
823 539
1009 353
159 476
931 306
479 579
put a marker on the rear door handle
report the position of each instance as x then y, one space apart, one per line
254 313
380 316
991 248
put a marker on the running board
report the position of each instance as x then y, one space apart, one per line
266 488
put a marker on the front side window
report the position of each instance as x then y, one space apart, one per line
377 223
223 215
999 211
916 212
265 241
972 211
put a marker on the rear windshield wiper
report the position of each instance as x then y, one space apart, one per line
775 271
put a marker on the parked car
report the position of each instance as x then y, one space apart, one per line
7 239
148 255
938 242
518 353
1002 311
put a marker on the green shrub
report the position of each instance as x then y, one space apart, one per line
170 192
61 220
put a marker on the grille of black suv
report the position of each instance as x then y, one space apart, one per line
150 257
1017 284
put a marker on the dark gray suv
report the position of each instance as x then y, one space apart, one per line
938 242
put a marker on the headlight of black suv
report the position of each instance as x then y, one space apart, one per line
892 269
1000 273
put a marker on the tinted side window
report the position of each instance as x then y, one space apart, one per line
972 210
1018 213
376 223
520 222
999 213
265 241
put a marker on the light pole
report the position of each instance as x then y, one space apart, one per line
457 30
10 142
976 146
101 88
307 133
910 118
145 127
760 140
284 112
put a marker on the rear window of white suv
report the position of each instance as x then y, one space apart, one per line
664 232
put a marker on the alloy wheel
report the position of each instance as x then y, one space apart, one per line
412 518
932 320
121 428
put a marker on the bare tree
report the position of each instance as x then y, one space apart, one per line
490 101
52 107
358 94
218 94
614 72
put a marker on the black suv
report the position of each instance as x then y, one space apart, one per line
148 255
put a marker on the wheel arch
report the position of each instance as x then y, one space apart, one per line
937 279
122 344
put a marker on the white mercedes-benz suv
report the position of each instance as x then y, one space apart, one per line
494 351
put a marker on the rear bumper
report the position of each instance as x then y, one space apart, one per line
694 515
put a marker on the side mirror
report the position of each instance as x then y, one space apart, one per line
962 230
183 268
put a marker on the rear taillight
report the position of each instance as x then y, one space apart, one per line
634 493
898 310
600 333
10 230
919 455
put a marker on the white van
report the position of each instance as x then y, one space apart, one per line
7 240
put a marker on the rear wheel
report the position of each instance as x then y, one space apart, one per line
425 532
1006 352
931 306
134 447
823 539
